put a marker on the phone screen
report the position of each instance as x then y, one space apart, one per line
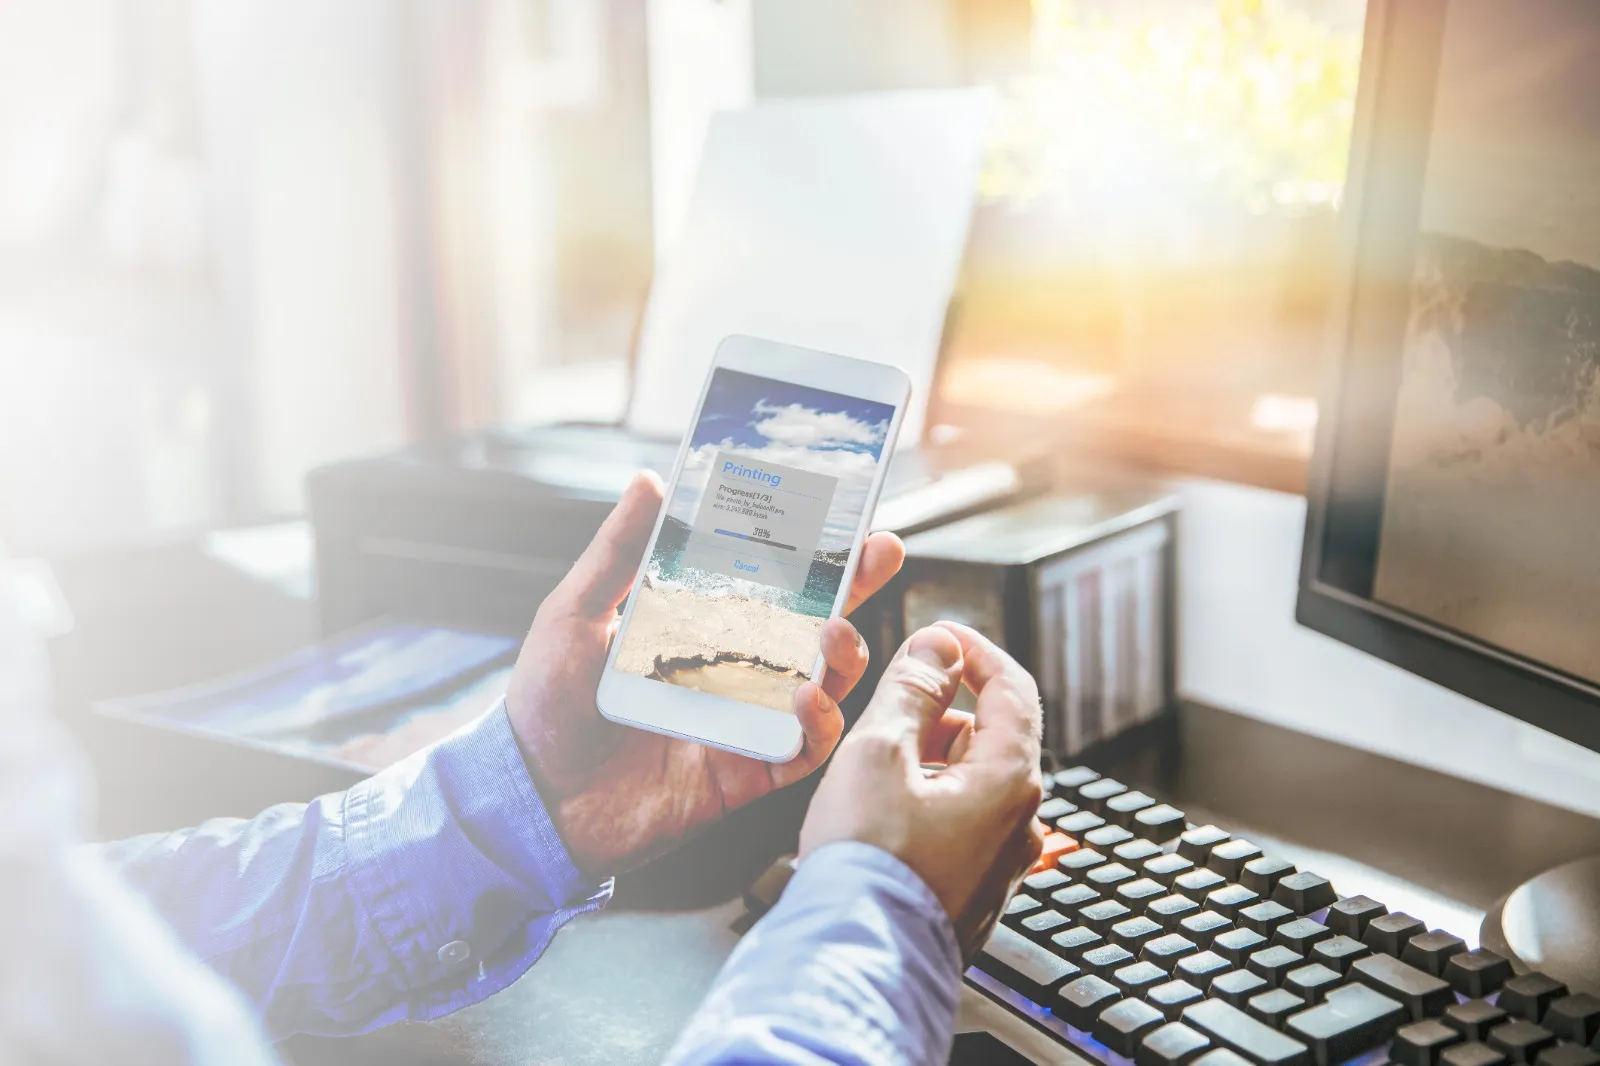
756 539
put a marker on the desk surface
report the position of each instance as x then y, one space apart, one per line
615 987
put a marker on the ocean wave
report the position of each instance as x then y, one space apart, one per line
666 572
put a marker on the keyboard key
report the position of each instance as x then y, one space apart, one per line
1080 822
1421 1043
1132 933
1105 960
1198 882
1265 916
1166 950
1137 978
1078 863
1474 1018
1173 1044
1221 1056
1108 875
1044 882
1422 994
1430 951
1390 933
1160 823
1274 1007
1529 995
1228 858
1201 967
1575 1018
1093 796
1237 945
1520 1041
1013 959
1565 1054
1103 915
1471 1053
1019 907
1075 896
1312 982
1141 893
1231 1027
1338 952
1055 807
1107 836
1120 810
1136 851
1301 935
1196 844
1123 1026
1237 986
1274 962
1229 900
1080 1002
1055 845
1166 868
1262 874
1170 910
1170 998
1042 925
1305 892
1063 781
1477 973
1349 1022
1075 941
1349 917
1205 927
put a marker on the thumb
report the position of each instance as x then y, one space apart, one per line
918 684
602 575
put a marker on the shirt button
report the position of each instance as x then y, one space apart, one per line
455 953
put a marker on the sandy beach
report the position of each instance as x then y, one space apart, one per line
744 649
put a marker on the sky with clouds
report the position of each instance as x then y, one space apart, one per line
779 422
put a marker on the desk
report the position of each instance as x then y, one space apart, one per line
615 987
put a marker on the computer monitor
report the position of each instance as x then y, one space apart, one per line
1453 525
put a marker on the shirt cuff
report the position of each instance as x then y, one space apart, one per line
858 962
459 868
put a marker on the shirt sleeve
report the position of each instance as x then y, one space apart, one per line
421 890
857 964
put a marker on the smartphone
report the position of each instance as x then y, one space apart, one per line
755 546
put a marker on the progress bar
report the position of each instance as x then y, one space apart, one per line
756 540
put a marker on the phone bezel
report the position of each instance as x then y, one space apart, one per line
746 728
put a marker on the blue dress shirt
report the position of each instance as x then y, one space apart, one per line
428 887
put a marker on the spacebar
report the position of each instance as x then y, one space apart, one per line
1233 1028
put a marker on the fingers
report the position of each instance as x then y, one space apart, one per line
845 654
881 556
602 575
918 684
1014 697
822 723
946 740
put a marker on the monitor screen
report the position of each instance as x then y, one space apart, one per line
1454 502
1492 502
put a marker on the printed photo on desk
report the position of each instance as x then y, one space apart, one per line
756 539
361 700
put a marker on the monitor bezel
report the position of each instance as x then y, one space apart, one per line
1399 70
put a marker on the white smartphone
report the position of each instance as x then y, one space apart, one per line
755 547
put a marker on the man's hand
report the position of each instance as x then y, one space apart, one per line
968 830
619 795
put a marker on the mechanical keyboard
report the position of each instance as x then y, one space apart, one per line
1142 938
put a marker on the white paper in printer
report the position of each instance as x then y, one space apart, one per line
834 223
